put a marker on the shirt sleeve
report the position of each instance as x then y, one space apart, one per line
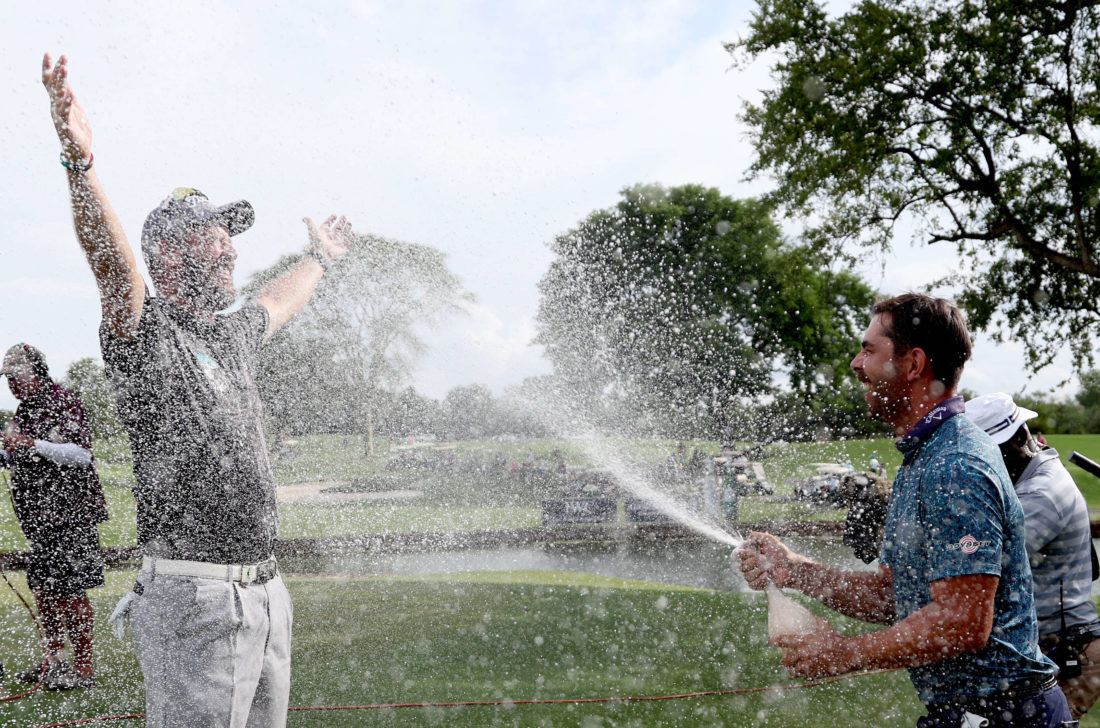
68 453
122 356
251 321
963 513
1042 520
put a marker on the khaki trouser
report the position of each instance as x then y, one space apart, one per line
213 653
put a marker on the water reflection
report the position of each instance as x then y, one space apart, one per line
684 562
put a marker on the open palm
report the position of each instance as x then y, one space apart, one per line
69 119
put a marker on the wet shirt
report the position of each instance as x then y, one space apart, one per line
51 499
1059 541
953 512
187 395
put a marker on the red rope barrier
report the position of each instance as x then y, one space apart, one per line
97 719
533 701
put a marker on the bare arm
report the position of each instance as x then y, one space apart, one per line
865 595
285 296
958 619
121 288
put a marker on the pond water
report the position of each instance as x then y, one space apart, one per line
684 562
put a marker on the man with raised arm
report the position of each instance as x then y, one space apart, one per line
953 580
210 614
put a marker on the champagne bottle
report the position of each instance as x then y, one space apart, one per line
786 616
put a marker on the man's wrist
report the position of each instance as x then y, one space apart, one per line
852 652
322 261
802 574
81 165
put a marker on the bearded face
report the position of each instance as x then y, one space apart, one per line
886 389
206 273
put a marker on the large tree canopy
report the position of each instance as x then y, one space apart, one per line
361 334
679 306
977 117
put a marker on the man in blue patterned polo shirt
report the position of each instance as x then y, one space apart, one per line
953 580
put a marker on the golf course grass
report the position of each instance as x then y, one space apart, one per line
465 502
498 636
502 637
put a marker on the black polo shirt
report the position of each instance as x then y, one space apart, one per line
187 396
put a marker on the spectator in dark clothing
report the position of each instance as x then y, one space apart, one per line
59 503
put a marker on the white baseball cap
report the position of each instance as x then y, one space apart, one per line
998 415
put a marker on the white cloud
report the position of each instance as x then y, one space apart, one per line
481 347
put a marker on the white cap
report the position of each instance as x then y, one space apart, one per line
998 415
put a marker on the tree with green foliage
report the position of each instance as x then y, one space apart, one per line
303 386
87 379
361 334
975 119
411 413
469 413
678 310
1078 414
1088 399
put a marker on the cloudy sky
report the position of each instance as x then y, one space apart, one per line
480 128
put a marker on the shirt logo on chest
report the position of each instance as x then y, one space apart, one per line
215 374
206 361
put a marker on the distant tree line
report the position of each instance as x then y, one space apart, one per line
1077 414
468 412
473 412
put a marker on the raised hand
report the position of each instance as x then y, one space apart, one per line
69 119
332 239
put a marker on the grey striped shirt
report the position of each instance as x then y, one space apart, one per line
1058 542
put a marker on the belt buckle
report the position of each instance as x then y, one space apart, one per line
248 573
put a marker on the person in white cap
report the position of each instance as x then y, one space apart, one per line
1059 546
59 502
210 614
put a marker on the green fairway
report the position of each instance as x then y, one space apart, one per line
1089 446
505 637
466 502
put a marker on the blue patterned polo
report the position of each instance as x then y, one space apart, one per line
954 512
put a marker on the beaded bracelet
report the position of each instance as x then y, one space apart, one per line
321 260
77 166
